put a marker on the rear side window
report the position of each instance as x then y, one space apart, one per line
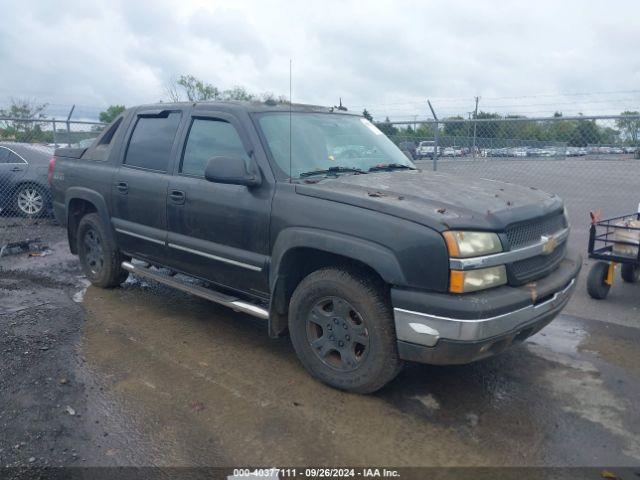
151 141
107 137
103 147
4 155
7 156
207 139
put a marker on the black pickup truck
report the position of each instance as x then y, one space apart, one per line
315 221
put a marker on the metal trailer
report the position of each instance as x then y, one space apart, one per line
607 247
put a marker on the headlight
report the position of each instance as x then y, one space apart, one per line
471 244
473 280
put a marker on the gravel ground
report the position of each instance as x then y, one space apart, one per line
49 415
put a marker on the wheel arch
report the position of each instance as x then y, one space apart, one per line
300 251
79 202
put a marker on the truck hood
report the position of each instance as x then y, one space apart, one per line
437 200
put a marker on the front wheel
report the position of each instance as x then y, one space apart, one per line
342 329
597 285
100 258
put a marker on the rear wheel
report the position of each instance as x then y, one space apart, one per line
597 286
100 258
342 329
630 273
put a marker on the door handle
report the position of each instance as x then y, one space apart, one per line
122 187
16 169
177 197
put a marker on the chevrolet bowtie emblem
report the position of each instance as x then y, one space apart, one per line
549 244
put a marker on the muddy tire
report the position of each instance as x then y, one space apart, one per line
596 284
630 273
100 258
342 329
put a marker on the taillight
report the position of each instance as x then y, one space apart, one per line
52 164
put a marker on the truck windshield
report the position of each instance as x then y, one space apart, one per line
328 143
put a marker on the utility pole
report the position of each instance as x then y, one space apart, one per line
475 118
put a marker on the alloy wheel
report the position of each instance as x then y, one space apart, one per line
30 201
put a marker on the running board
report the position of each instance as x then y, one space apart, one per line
217 297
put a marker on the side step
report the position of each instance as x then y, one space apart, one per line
217 297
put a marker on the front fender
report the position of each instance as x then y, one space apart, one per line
376 256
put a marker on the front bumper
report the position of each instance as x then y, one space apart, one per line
455 329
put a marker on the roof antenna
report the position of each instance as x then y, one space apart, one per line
290 106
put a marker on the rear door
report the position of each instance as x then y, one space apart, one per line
216 231
139 189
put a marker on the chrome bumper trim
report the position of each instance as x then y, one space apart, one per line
426 329
546 246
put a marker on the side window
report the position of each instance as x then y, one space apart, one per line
4 155
210 138
7 156
108 136
13 158
151 141
102 148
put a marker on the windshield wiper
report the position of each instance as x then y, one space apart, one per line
332 170
390 166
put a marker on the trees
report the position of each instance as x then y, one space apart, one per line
192 89
629 127
387 127
196 90
367 115
111 113
25 125
455 129
586 132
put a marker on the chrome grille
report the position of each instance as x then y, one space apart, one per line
533 268
524 234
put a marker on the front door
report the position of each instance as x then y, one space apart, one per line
218 232
139 188
12 169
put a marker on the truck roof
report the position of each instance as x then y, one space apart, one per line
251 107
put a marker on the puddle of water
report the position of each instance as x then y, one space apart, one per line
581 389
78 297
561 336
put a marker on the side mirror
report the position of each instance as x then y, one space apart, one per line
231 171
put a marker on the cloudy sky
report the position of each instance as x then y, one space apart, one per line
520 57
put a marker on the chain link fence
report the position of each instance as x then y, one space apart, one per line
593 163
26 146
